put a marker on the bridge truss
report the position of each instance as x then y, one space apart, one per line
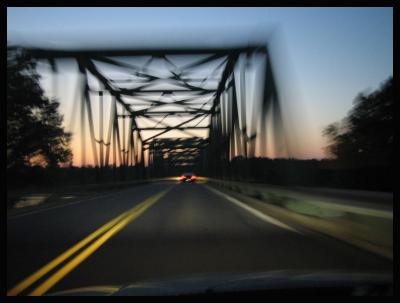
184 107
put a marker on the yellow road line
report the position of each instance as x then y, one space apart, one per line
61 273
45 269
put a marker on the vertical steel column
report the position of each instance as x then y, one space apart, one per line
280 139
235 118
101 142
135 147
129 147
224 136
123 137
114 131
118 137
91 126
237 132
255 115
230 124
110 128
243 107
142 161
83 129
265 105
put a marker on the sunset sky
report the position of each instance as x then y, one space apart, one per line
323 57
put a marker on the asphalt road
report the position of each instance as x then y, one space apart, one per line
189 230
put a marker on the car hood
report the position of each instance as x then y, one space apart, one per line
231 283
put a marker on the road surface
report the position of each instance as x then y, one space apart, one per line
169 230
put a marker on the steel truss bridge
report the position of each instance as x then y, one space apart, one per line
177 108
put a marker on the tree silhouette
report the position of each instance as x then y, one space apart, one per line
34 126
365 136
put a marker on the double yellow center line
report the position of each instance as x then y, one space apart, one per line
102 234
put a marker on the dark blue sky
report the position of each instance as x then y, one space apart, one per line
330 54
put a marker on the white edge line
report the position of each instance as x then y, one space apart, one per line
253 211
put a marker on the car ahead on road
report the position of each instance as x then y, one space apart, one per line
284 282
187 177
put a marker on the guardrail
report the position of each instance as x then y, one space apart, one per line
365 227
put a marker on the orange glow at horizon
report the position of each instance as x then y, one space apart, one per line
307 151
